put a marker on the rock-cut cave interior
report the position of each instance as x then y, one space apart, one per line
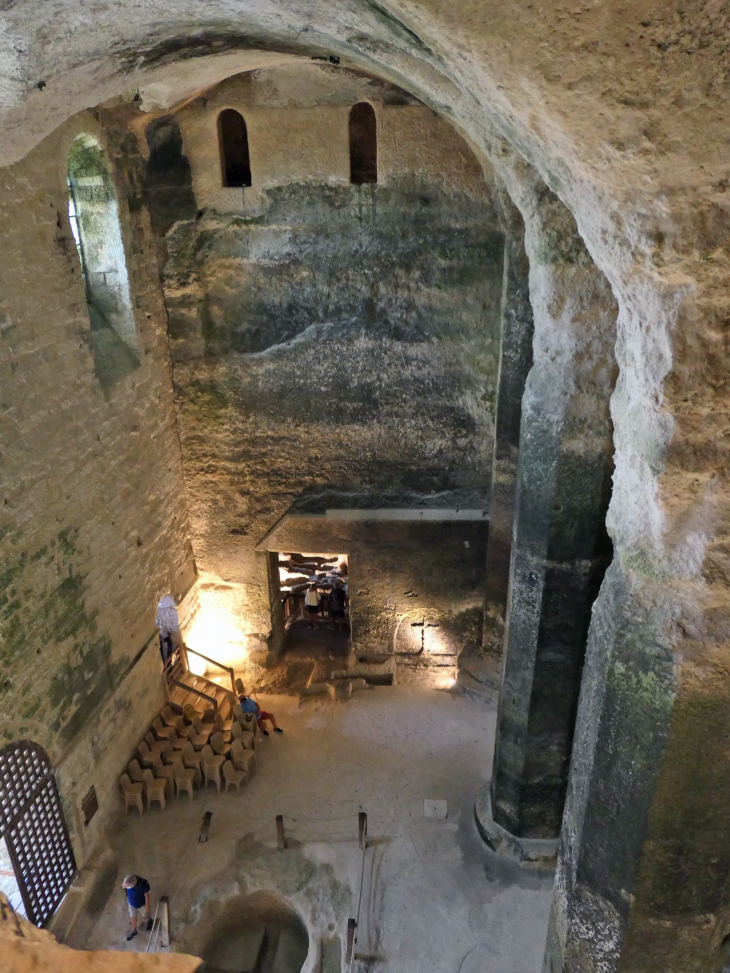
364 575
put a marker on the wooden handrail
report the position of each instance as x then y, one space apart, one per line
208 659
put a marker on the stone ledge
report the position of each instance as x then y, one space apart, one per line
539 852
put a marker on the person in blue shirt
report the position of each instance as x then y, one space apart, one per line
138 898
249 705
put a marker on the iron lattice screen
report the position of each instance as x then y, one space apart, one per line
32 823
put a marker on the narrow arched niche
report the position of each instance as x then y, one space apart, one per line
363 144
233 142
256 932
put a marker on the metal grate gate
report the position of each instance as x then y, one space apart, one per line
35 832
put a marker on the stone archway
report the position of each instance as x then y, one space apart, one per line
258 931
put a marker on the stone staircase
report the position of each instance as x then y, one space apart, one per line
186 688
264 949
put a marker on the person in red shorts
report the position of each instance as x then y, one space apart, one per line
249 705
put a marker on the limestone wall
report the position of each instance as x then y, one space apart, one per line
333 345
93 521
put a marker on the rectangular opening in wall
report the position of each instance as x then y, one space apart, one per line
315 592
90 805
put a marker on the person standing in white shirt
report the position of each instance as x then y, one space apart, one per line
311 604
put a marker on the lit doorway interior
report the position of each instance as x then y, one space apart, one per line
297 571
9 883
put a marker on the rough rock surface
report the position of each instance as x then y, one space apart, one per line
333 345
622 110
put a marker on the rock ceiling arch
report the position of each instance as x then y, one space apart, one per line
487 69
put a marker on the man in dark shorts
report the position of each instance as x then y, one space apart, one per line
338 601
138 898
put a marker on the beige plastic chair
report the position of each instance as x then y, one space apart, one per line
167 754
247 721
219 744
168 717
233 776
155 789
189 712
240 688
224 715
190 757
245 736
186 778
197 740
147 758
219 726
177 742
243 759
202 729
135 772
153 743
162 732
132 794
166 771
212 764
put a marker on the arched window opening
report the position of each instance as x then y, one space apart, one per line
37 862
363 144
233 140
94 217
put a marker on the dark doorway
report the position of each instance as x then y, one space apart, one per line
34 830
363 144
233 140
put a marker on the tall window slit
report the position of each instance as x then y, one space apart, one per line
363 144
233 140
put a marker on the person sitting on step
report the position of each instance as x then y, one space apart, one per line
249 705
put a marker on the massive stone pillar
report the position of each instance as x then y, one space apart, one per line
515 361
560 547
643 878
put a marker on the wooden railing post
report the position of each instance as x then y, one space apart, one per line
351 939
362 823
165 921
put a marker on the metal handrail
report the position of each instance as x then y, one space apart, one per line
152 930
157 926
353 925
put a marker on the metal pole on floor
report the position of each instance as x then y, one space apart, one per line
362 822
165 921
280 835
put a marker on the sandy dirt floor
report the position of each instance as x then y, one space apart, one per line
434 898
